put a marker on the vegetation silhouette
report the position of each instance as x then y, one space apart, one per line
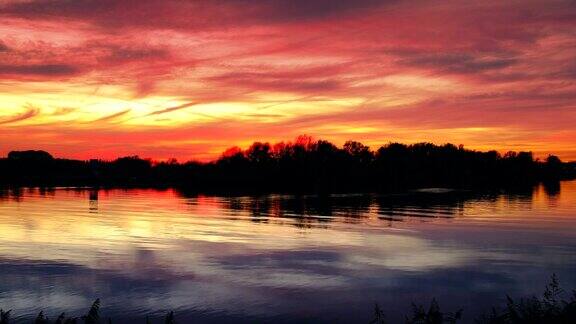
305 165
92 317
551 308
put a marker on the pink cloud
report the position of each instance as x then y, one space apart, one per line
508 65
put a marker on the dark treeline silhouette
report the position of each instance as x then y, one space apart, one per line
305 165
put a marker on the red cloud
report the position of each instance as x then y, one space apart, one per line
465 64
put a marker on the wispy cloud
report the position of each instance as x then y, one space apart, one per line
379 69
112 116
47 70
30 112
172 109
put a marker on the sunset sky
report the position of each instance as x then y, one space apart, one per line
187 79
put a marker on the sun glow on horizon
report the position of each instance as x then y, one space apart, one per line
96 82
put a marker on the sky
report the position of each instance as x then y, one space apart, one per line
187 79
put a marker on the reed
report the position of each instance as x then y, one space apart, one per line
551 308
92 317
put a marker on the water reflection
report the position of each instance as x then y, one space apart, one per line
93 197
279 258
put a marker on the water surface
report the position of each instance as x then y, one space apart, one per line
279 258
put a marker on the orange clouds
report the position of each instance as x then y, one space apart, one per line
186 79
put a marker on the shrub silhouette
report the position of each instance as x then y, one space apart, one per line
433 316
93 314
92 317
551 308
378 315
4 317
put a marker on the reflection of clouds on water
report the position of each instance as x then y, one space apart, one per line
24 302
268 260
410 254
206 257
234 297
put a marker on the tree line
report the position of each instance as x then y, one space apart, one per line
305 165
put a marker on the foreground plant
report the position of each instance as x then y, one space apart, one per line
92 317
551 308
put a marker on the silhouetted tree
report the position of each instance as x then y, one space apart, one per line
305 165
24 156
